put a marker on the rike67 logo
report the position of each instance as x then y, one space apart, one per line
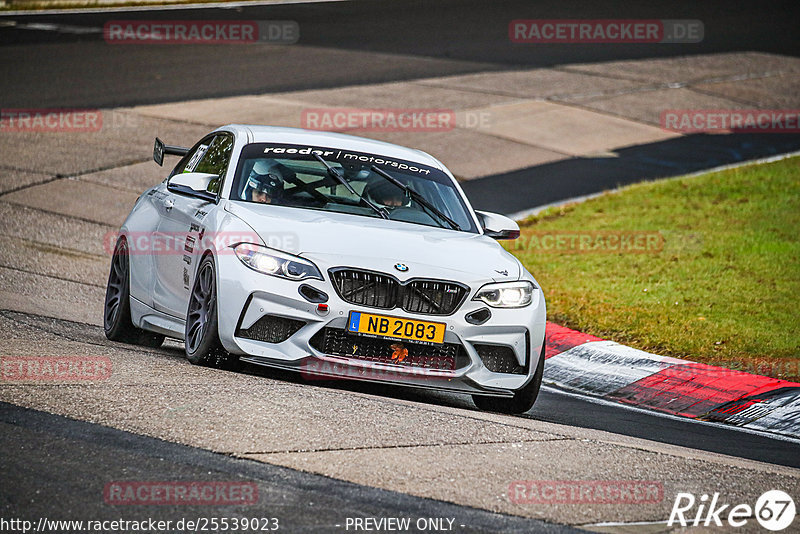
774 510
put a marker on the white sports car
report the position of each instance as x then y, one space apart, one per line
331 255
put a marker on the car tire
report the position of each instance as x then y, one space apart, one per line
117 309
201 340
523 399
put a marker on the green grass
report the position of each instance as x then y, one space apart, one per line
723 288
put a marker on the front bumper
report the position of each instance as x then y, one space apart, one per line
245 296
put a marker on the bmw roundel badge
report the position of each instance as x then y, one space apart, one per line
402 267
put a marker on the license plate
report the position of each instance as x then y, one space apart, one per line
396 328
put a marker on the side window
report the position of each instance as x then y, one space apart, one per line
215 160
190 160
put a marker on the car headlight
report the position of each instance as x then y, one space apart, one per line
269 261
506 294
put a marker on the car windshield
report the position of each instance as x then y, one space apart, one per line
292 175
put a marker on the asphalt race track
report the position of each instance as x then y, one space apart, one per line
303 502
323 452
345 44
366 42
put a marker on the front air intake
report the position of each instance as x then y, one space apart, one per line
271 329
500 359
338 342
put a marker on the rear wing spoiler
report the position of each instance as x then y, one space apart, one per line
160 150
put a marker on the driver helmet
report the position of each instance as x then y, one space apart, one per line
265 179
385 194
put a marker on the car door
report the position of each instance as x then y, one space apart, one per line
182 223
142 225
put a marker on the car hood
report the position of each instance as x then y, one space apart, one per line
342 240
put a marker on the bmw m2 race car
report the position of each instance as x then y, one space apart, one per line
330 255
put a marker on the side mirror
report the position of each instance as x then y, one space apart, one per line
196 181
498 226
193 183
